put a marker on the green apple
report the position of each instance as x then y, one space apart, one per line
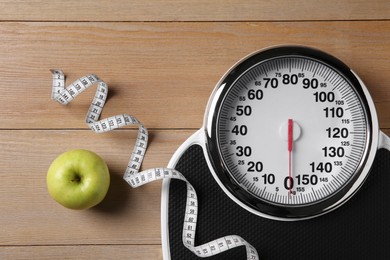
78 179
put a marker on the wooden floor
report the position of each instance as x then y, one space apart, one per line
161 60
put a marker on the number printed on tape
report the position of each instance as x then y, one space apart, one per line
132 175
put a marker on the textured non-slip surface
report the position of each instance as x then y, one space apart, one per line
358 230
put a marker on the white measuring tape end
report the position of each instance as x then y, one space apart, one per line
132 175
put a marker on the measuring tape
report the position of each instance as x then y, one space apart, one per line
132 175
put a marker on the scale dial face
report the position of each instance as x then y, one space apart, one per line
289 131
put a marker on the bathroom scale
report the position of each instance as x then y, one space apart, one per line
290 161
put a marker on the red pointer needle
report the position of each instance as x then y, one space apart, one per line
289 148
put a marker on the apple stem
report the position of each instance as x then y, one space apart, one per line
77 178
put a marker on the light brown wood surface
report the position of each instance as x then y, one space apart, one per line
201 10
161 60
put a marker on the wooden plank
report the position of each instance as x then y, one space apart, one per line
163 73
29 216
201 10
386 131
81 252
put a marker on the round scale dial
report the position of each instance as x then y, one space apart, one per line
289 132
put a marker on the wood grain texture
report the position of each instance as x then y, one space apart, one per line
82 252
29 216
201 10
161 60
155 70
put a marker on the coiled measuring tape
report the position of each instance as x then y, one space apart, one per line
132 175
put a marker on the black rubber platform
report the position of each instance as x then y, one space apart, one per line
360 229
